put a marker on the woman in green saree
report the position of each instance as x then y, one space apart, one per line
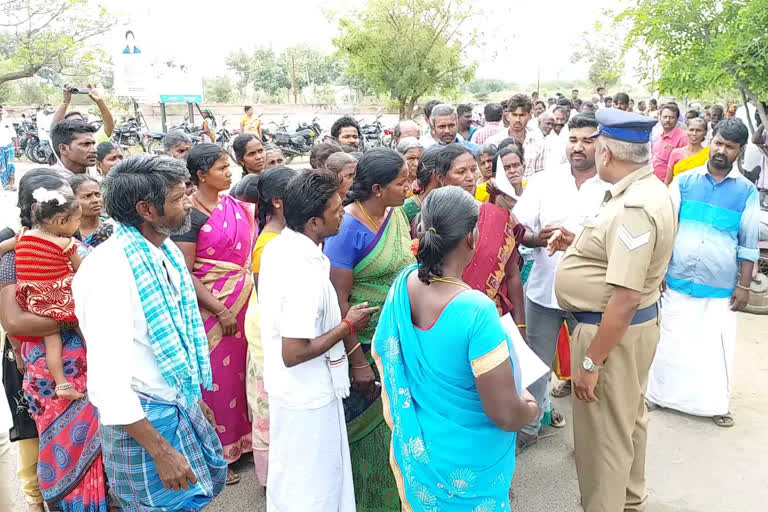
372 247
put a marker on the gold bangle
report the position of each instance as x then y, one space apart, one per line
747 288
353 349
361 367
522 326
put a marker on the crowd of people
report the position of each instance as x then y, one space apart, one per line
344 323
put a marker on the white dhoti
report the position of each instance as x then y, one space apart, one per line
691 371
309 463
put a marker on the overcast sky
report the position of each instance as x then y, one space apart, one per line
532 35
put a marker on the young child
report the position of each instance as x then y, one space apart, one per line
46 260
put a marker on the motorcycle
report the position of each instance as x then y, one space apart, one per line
224 137
26 131
372 133
128 134
298 143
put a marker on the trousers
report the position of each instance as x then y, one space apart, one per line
610 435
27 470
543 328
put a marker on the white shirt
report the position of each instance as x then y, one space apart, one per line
44 121
550 198
7 131
121 360
296 300
65 173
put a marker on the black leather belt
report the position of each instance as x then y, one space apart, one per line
641 316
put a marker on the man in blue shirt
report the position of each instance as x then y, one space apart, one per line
443 123
708 280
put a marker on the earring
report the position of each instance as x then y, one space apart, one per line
203 180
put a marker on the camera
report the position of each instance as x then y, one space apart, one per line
79 90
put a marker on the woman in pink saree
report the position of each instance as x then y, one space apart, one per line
218 248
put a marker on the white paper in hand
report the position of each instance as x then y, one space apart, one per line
531 366
502 182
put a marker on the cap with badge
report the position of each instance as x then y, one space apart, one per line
624 126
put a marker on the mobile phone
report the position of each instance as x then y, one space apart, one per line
80 90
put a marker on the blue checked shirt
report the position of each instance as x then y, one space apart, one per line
718 229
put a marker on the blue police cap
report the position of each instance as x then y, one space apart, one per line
624 126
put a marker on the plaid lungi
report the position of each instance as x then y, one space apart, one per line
131 471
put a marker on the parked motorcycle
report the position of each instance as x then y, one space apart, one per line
372 133
298 143
128 134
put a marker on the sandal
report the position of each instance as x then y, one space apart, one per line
232 477
724 420
557 420
562 390
525 441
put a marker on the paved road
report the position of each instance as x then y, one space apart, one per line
692 465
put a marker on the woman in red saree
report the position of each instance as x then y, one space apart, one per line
217 248
69 468
495 266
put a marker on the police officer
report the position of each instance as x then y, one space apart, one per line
609 278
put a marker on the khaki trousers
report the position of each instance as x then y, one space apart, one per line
610 434
27 469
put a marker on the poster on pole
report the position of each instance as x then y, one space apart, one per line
133 73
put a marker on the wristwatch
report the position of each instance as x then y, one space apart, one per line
588 364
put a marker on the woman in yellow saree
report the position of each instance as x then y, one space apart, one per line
693 155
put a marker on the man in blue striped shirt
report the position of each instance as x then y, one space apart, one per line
707 281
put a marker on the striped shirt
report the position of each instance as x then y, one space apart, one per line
718 229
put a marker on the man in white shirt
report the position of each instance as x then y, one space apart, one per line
518 114
75 146
8 146
305 357
563 195
147 349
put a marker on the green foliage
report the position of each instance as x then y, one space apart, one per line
482 88
406 49
50 35
601 49
266 71
219 89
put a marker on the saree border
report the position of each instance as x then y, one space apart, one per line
490 360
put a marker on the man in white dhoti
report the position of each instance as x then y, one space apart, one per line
305 359
707 281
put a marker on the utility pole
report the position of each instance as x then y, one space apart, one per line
293 77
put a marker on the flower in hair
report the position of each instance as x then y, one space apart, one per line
415 247
43 195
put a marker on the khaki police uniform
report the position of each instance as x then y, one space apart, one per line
628 244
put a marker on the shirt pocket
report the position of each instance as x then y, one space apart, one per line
586 234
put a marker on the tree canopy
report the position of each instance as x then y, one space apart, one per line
701 46
54 35
408 48
601 49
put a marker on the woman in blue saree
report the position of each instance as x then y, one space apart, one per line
450 379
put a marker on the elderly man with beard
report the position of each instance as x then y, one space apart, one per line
707 282
147 349
444 128
563 195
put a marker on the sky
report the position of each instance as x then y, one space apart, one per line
537 36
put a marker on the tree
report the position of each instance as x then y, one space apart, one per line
312 68
702 46
408 48
260 69
36 35
601 49
219 89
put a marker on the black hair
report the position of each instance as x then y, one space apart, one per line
565 103
426 167
511 141
65 131
575 90
622 96
507 150
247 108
31 181
493 112
75 181
307 196
321 152
463 108
42 211
601 87
577 103
734 130
653 101
447 155
201 158
448 215
428 106
247 189
379 166
352 150
589 105
519 101
103 149
73 114
671 106
141 177
343 122
537 102
129 32
240 145
6 233
272 185
609 98
583 120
